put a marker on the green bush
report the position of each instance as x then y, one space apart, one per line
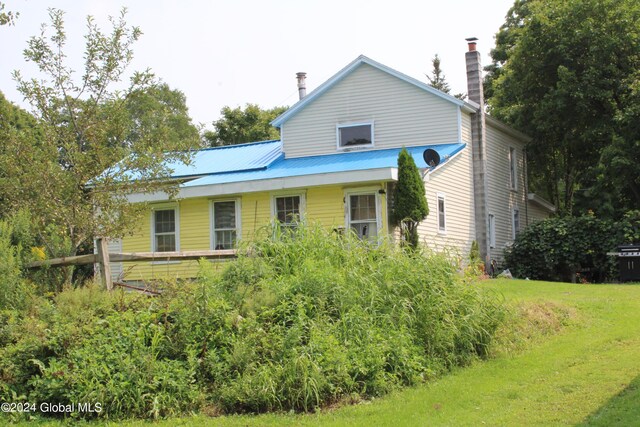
558 248
299 321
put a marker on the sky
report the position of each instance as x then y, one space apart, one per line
233 52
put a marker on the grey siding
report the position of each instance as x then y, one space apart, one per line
501 199
403 115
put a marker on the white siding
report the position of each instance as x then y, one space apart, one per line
113 246
536 213
455 182
501 199
403 115
466 127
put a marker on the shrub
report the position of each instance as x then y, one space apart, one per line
558 248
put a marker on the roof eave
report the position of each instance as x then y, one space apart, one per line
533 197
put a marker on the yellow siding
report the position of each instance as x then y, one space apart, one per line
324 205
256 213
194 235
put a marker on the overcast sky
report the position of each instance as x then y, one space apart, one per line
228 52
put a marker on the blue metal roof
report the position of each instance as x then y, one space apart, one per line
340 162
232 158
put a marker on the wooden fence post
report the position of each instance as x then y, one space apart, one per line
103 263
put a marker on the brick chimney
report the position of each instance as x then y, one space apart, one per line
474 73
302 84
478 149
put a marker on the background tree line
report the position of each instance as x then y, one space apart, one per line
567 73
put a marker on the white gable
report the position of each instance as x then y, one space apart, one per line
403 113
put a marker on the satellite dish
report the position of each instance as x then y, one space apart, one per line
431 157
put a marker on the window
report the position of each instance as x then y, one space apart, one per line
363 215
225 218
442 224
492 231
513 168
287 210
516 222
355 135
164 230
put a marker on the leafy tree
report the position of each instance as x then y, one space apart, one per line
7 18
506 38
568 70
438 80
96 144
239 126
409 199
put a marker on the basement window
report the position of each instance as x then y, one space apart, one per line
355 135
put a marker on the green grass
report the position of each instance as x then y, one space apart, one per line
588 374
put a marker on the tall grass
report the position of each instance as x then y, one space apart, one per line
299 321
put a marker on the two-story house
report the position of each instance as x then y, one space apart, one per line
336 163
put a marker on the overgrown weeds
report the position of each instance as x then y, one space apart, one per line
301 320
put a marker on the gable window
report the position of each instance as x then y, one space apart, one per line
513 168
355 135
492 231
516 222
225 220
165 230
287 210
363 215
442 223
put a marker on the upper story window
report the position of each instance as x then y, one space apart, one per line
513 168
355 135
165 230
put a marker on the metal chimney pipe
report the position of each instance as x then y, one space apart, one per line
302 84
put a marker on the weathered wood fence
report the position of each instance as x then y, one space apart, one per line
103 258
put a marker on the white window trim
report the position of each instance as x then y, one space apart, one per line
444 200
492 230
352 124
303 203
361 192
212 232
513 222
164 207
513 159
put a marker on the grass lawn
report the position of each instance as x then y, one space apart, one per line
588 374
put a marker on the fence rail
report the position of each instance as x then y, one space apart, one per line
103 258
